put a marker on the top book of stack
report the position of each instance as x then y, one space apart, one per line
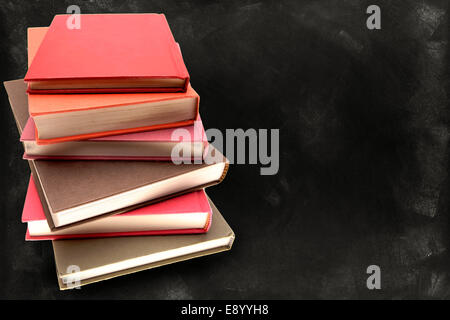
108 53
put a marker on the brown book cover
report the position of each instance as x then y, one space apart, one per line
74 191
81 262
18 99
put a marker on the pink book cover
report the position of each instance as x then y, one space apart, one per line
194 202
196 132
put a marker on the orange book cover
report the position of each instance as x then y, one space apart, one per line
40 104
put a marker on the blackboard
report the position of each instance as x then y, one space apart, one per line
364 150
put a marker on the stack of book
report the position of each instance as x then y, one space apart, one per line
118 154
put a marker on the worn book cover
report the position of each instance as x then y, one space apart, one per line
81 262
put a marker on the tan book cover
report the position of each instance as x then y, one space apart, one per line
75 191
18 100
81 262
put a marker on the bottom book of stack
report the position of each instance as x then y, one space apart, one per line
84 261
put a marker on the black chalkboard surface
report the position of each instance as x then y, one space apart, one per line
363 156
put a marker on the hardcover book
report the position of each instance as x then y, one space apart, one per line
70 117
147 145
73 191
186 214
108 53
81 262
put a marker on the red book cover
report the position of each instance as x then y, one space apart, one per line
186 209
126 48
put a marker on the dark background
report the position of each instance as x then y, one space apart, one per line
364 150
